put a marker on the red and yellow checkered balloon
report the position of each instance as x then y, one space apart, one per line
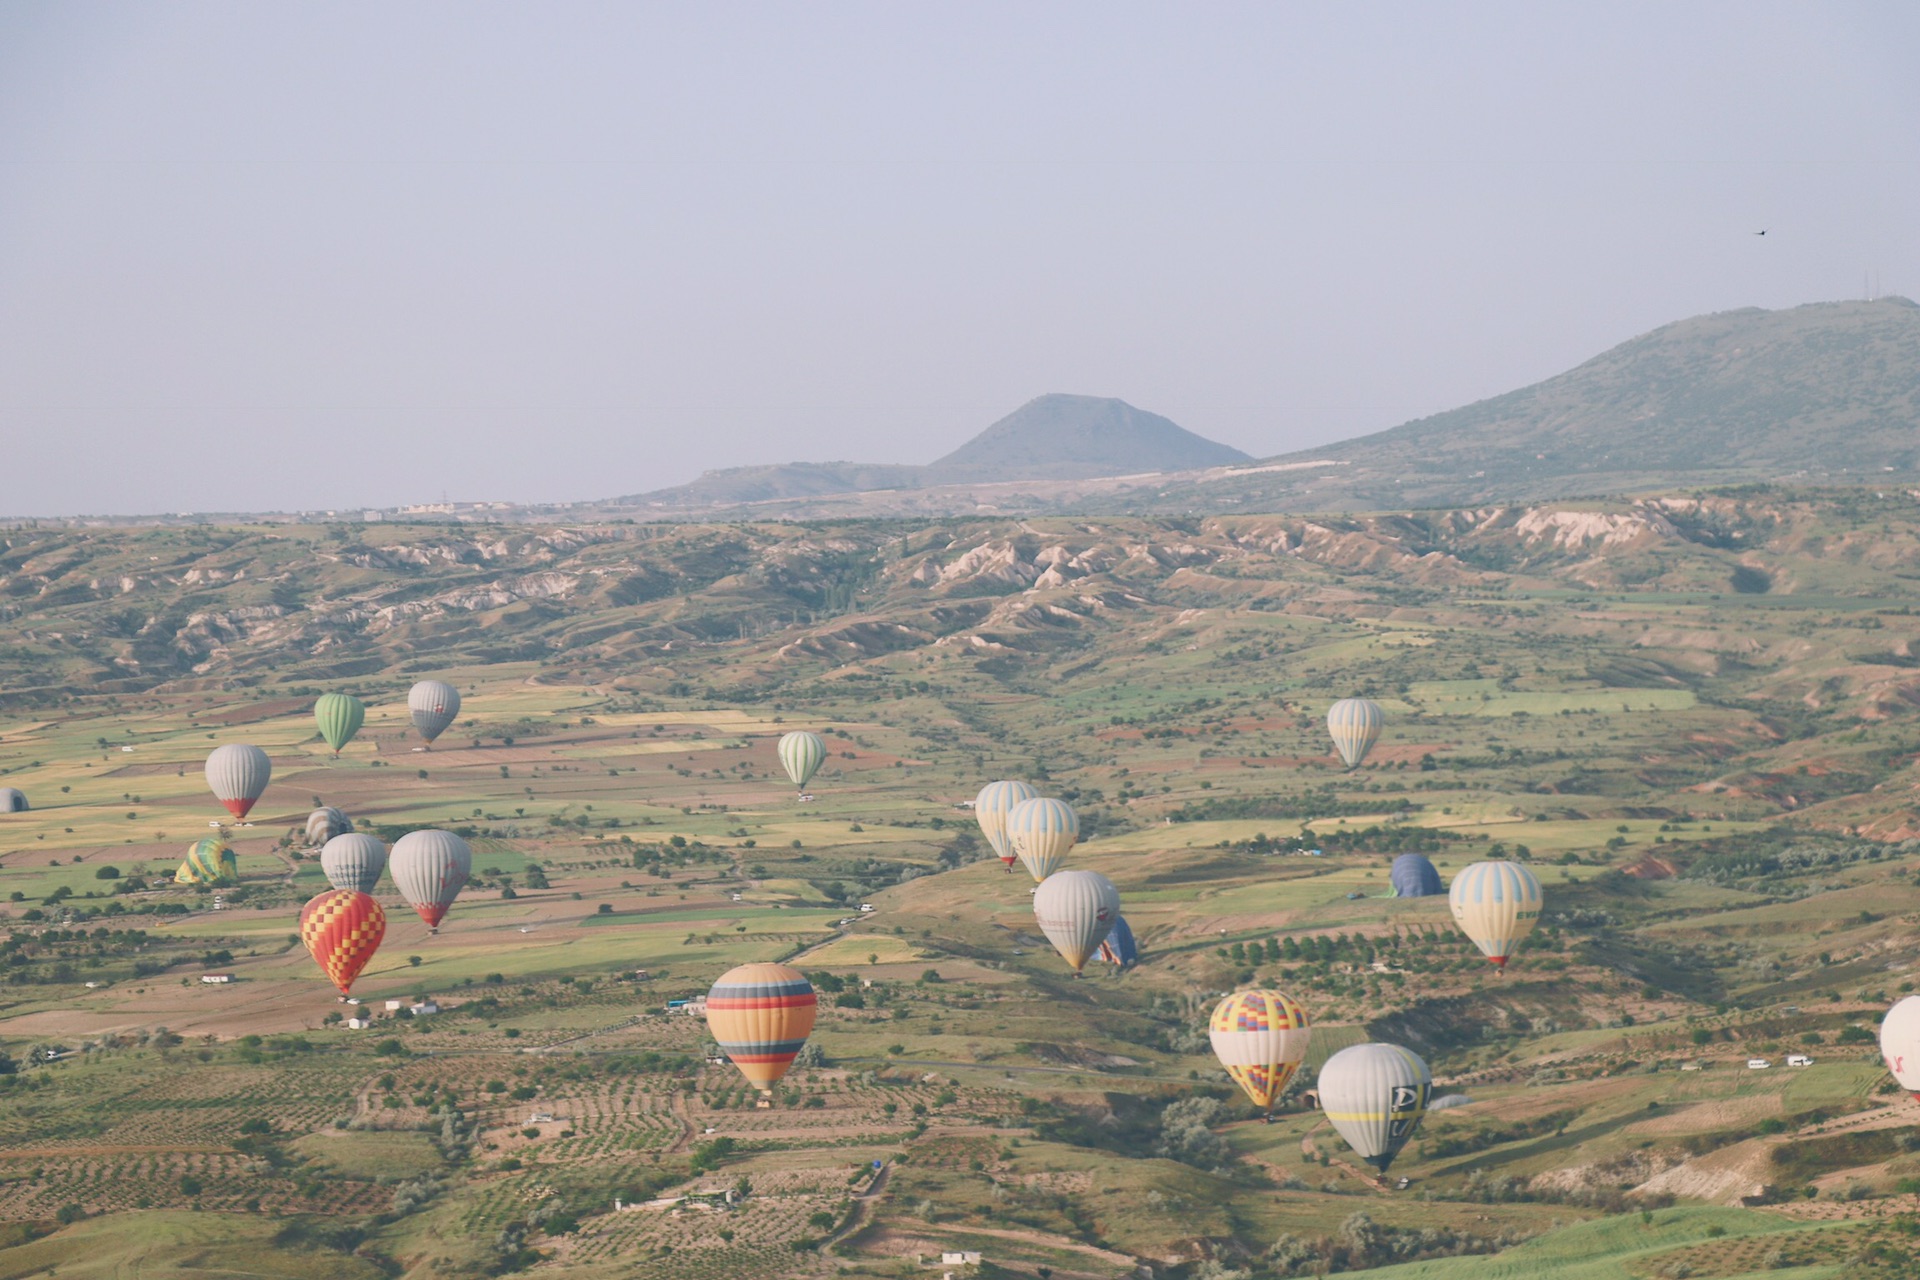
342 929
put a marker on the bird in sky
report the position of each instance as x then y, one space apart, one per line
1760 233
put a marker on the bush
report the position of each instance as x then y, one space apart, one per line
106 873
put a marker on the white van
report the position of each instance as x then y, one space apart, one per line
1758 1064
1799 1060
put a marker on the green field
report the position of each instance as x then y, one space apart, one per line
1714 789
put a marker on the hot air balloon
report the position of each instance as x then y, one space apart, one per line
1119 947
342 929
990 809
1261 1039
802 754
1375 1095
1041 831
1496 904
1414 876
761 1014
238 773
1355 725
1076 910
353 861
324 823
432 705
208 861
1900 1043
429 867
339 716
13 800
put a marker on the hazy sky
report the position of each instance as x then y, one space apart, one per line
300 255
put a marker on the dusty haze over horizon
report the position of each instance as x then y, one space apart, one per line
311 256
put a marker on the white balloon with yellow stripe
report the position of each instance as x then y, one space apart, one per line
1496 904
1375 1094
1355 724
1041 831
801 755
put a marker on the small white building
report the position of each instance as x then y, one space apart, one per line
960 1258
359 1024
216 979
395 1006
540 1117
423 1008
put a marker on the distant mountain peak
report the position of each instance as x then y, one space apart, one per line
1076 437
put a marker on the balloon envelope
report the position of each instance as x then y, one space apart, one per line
429 868
13 800
324 823
990 809
1900 1043
1261 1038
801 755
354 861
432 706
339 716
1496 904
342 928
238 774
1375 1094
1355 724
1041 831
1076 910
1414 876
1120 948
208 861
761 1014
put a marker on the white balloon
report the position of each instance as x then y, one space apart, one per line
1900 1043
1076 909
1375 1094
238 774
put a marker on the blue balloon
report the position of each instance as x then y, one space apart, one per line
1120 948
1414 877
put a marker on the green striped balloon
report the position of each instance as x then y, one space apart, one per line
802 754
339 716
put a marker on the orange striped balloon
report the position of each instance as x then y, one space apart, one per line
761 1014
342 929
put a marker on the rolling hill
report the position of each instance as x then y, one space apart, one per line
1051 437
1824 393
1827 393
1079 438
